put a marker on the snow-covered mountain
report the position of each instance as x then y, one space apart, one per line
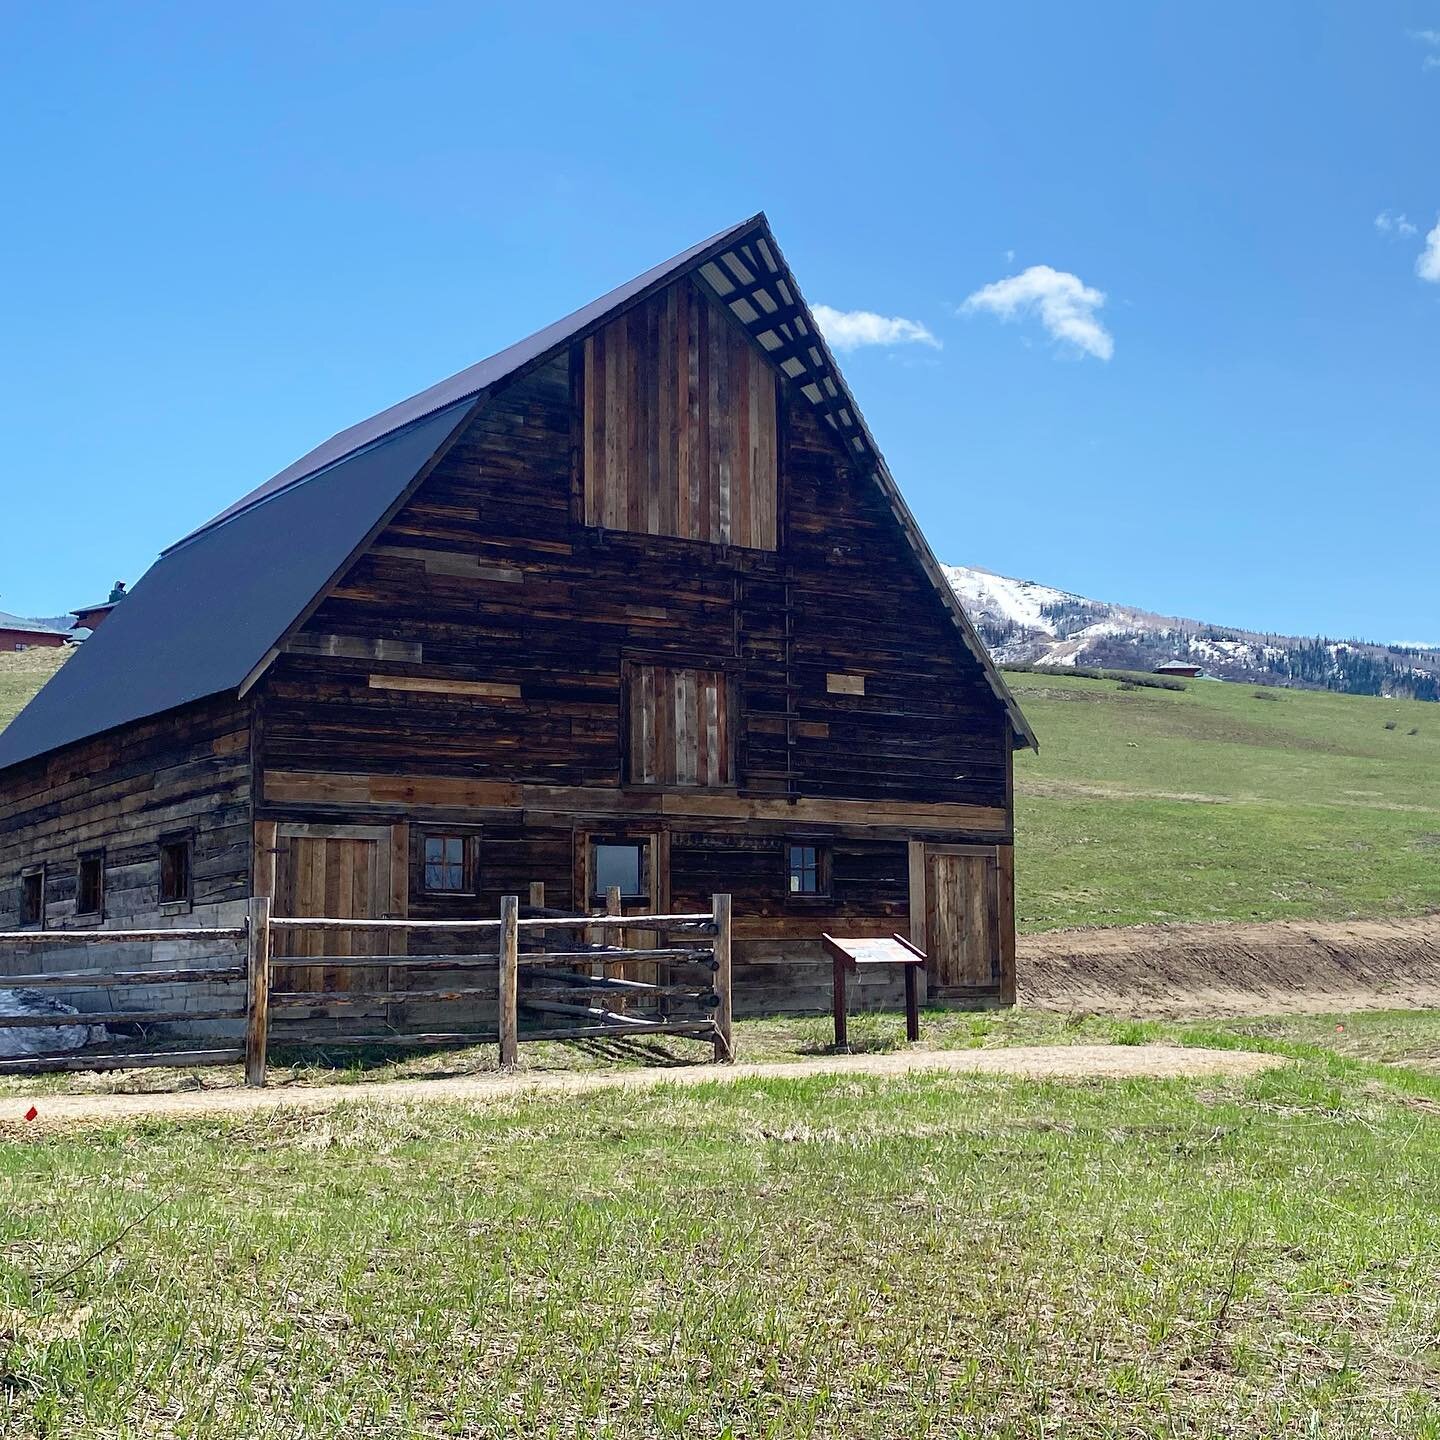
1025 622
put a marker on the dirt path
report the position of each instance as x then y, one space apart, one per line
1051 1062
1171 971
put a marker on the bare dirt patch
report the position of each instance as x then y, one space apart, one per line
1276 968
1047 1062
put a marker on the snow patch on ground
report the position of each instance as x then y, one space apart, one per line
21 1040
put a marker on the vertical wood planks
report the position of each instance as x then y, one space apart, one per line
1005 920
509 981
679 727
915 853
724 1012
964 919
257 988
680 425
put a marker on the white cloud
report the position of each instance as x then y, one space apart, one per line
1387 222
1427 267
850 329
1066 306
1430 39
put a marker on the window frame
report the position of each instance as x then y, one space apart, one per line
97 911
27 875
469 864
822 867
610 842
176 904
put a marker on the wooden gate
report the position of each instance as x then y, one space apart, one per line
962 915
341 872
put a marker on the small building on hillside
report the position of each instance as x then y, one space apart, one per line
19 634
634 602
1186 669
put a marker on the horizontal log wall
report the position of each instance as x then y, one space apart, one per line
531 616
187 771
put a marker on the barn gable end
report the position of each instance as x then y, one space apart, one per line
638 592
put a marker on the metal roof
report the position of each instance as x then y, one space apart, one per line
28 627
206 615
471 381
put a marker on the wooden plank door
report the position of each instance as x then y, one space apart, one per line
957 917
338 872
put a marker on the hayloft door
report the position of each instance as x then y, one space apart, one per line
962 916
337 872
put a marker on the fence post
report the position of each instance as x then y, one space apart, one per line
509 981
541 938
724 1015
257 993
613 906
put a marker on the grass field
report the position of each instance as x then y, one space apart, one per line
937 1256
1223 802
21 675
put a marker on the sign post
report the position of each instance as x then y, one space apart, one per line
847 955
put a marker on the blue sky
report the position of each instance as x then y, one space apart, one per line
232 230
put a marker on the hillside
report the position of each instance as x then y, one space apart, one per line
22 674
1024 622
1223 802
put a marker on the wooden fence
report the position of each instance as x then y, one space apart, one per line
169 977
568 992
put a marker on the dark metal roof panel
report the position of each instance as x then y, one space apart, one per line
210 609
469 382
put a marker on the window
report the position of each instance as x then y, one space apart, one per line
90 885
622 865
809 867
448 864
175 870
32 897
678 727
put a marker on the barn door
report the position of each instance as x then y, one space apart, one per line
961 915
340 872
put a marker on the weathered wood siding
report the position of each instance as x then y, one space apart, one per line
515 623
679 727
480 666
185 771
679 424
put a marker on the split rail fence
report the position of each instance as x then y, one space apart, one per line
558 971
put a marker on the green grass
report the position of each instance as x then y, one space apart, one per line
22 674
937 1256
1214 803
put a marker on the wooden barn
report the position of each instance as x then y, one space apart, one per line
634 602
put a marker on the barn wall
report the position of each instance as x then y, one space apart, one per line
13 640
516 619
471 668
188 769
